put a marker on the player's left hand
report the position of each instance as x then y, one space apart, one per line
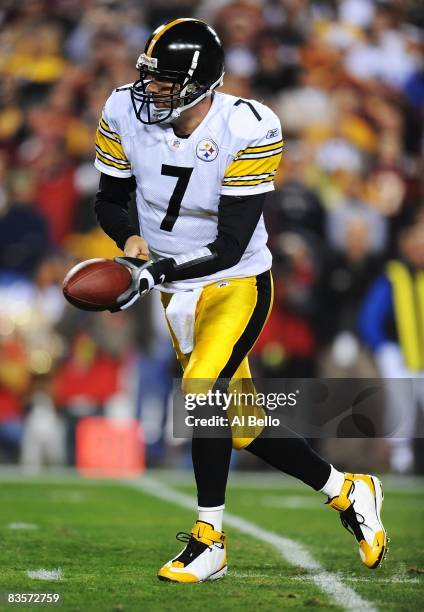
142 282
136 246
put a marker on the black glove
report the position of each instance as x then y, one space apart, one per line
142 282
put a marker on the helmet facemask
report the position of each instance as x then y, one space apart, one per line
185 91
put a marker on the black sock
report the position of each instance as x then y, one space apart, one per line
293 456
211 463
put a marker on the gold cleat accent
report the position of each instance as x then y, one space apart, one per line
204 557
359 504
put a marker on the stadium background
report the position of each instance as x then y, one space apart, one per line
346 80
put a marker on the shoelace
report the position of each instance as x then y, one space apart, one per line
193 549
359 517
352 520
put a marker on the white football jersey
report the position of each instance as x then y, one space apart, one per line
235 151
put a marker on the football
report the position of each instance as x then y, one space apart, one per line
95 284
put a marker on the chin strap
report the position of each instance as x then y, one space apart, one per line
191 70
157 114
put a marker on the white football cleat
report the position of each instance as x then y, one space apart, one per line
204 557
359 503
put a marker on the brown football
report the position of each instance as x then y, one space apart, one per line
95 284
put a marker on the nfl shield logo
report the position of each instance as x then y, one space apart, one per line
207 150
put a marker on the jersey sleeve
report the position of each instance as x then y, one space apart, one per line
110 155
256 162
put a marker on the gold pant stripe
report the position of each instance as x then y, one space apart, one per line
230 316
254 326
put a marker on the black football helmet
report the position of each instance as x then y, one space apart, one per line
186 53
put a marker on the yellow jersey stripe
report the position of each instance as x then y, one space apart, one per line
247 167
110 147
239 183
108 135
161 30
105 126
248 177
264 155
261 149
111 158
259 154
109 162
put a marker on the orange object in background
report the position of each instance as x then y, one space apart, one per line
107 448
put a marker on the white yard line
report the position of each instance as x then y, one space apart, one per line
71 497
294 553
289 502
44 574
239 480
392 580
28 526
402 576
276 480
241 575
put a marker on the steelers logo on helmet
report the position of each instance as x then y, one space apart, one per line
185 58
207 150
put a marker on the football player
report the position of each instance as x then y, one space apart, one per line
201 163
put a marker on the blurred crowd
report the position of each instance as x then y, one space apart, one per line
345 77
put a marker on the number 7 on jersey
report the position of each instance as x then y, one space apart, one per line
183 175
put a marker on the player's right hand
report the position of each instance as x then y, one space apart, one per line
136 246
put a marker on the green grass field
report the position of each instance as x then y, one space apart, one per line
108 540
